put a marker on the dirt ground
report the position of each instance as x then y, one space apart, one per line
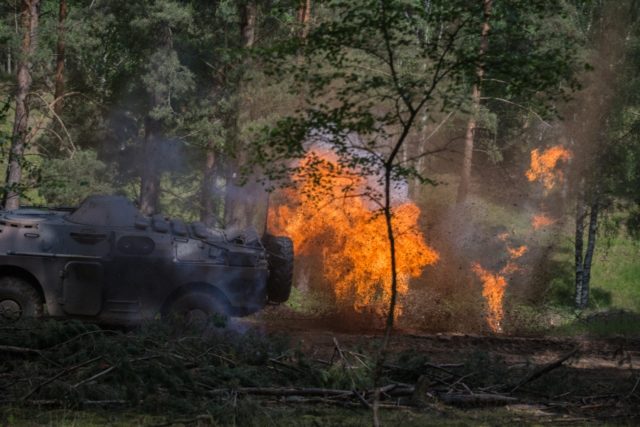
316 336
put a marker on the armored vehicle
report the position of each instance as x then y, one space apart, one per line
106 262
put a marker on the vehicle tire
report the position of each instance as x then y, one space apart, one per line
18 300
280 257
196 308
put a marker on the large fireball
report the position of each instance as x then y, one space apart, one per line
350 236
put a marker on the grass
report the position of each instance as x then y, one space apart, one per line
616 272
292 415
614 303
603 325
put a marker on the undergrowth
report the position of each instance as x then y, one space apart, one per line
158 367
76 373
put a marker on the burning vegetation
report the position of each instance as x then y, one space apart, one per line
546 168
540 221
338 226
495 284
340 236
545 165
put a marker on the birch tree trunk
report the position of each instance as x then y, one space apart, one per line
579 249
465 176
584 259
29 24
588 257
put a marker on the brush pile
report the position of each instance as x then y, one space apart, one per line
165 368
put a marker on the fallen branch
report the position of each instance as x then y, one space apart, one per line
58 375
94 377
340 353
635 386
545 369
392 390
18 350
285 365
184 421
362 399
347 404
59 402
276 391
444 369
479 399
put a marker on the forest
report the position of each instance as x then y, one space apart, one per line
460 180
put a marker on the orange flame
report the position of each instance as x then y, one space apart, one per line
350 238
540 221
494 284
544 166
493 292
517 252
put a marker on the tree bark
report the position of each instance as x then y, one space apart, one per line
30 10
245 202
304 17
60 48
248 16
207 199
9 69
150 176
465 176
579 249
588 256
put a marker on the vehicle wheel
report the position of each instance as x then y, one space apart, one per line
18 300
280 256
197 308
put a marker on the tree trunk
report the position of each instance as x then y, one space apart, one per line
207 200
465 176
9 69
245 202
60 48
588 256
30 9
579 249
150 176
248 16
304 17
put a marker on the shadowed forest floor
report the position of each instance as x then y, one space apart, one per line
68 373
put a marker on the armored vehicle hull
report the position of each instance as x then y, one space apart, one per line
107 263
